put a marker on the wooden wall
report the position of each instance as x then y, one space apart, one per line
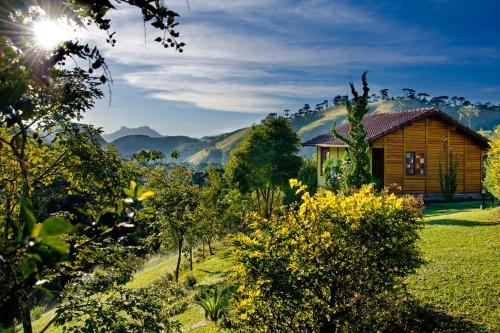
426 135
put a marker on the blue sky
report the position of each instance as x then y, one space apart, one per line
246 58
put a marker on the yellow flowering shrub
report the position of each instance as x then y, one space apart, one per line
492 181
333 264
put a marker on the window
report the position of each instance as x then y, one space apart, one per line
325 154
415 163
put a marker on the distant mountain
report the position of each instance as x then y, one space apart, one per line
217 148
187 146
124 131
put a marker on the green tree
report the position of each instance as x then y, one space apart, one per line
175 202
264 161
210 212
221 209
359 172
335 264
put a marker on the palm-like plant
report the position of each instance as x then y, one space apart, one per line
213 304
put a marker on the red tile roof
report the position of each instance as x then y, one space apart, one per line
380 124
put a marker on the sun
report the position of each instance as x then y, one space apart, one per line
49 34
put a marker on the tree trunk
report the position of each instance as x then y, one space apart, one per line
203 249
191 257
210 248
178 268
25 313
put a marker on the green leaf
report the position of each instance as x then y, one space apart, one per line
129 192
35 233
56 244
137 191
55 226
28 267
28 216
146 195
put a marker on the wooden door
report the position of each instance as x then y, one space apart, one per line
378 164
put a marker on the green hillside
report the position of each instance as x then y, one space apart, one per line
130 144
216 149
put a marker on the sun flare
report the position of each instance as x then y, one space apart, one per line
49 34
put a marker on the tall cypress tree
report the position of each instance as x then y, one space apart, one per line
359 172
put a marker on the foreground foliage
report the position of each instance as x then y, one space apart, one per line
335 265
213 304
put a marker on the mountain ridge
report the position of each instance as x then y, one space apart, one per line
126 131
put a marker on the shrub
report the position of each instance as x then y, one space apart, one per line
172 295
37 311
308 175
190 281
334 265
492 180
213 304
335 173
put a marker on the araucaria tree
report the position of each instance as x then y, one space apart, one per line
468 111
359 171
264 162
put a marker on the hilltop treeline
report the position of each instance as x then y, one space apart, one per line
408 94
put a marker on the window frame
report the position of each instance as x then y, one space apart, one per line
417 166
321 159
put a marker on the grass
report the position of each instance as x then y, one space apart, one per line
460 282
461 279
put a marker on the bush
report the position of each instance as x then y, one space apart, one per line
335 265
37 311
172 295
190 281
213 304
335 173
492 180
308 175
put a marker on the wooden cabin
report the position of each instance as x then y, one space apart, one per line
406 147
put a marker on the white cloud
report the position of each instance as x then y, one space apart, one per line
234 61
229 94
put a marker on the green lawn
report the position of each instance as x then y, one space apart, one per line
460 283
462 277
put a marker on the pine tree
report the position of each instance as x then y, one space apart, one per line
359 171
